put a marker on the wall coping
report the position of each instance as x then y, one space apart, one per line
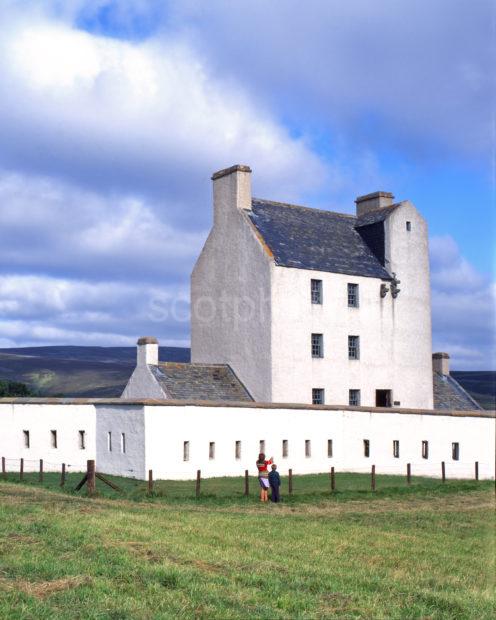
242 404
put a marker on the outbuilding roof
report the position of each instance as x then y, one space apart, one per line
213 382
305 238
449 394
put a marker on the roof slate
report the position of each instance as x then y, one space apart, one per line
306 238
449 394
213 382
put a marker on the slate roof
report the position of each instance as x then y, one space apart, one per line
215 382
306 238
449 394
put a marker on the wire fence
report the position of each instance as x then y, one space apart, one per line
294 485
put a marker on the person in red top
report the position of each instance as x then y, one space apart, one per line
263 476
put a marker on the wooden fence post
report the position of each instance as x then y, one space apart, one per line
333 480
4 469
477 470
62 475
21 470
290 482
443 471
150 481
40 477
247 483
408 473
90 480
198 480
372 478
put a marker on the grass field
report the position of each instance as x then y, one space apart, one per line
425 551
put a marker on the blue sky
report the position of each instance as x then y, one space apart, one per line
114 113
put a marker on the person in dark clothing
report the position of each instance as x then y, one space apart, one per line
275 483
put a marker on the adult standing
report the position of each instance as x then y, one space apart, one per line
263 476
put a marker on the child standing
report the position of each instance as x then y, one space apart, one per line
275 483
263 476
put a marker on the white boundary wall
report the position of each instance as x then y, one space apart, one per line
155 432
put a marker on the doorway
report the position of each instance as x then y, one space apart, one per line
383 398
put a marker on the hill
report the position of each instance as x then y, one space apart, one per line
99 372
102 372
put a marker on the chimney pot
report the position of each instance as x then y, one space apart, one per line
372 202
147 351
440 363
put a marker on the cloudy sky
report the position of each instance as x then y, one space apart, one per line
114 114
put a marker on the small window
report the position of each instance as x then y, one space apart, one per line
396 449
109 441
317 396
425 449
237 450
123 443
82 440
455 451
261 446
211 450
354 398
308 448
354 347
317 345
329 448
285 448
185 450
353 300
366 447
27 442
53 439
316 291
409 226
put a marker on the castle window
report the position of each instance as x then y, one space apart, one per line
455 451
352 295
109 441
284 448
82 440
353 347
237 450
317 345
25 435
396 449
409 226
308 448
53 439
329 448
211 450
366 448
261 446
425 449
123 443
354 398
316 291
317 396
186 451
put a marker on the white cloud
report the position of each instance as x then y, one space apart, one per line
463 308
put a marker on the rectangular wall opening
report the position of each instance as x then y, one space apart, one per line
211 450
329 448
53 439
425 449
109 441
123 443
25 436
366 448
308 448
237 450
82 440
383 398
284 448
455 451
396 449
261 446
185 450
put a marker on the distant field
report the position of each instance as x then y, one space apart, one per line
104 371
423 552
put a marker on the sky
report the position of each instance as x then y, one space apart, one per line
115 113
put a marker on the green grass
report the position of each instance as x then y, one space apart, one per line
425 551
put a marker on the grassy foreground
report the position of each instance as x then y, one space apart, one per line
423 552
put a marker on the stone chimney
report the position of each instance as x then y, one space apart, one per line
440 363
147 351
232 190
372 202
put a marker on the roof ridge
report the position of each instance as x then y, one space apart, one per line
193 364
291 206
